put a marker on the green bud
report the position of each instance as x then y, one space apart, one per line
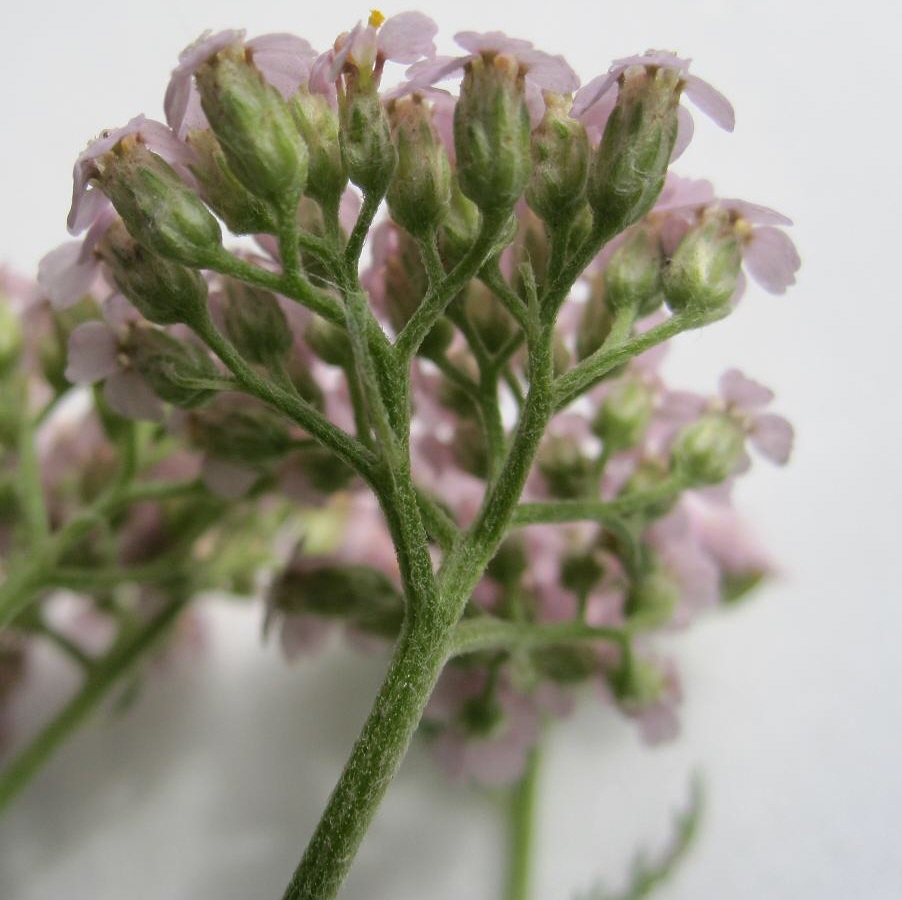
10 337
243 212
255 323
652 600
329 342
323 470
567 472
470 449
639 684
158 208
420 191
509 562
632 277
560 154
359 595
248 436
255 128
596 321
169 367
482 715
649 475
459 228
704 271
163 291
581 572
318 125
565 665
492 133
624 415
631 162
708 451
366 145
487 316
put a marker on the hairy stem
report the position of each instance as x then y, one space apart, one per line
521 830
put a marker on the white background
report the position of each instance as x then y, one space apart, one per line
210 786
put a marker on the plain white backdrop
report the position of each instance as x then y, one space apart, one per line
209 787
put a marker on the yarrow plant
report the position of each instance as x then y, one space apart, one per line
442 428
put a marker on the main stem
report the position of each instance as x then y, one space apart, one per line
419 656
521 831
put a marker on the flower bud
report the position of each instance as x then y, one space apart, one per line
420 191
256 324
581 572
631 161
170 366
704 271
567 472
565 665
255 128
10 338
366 145
509 563
492 133
487 316
652 600
163 291
632 277
249 436
708 451
359 595
470 449
459 228
560 154
624 416
329 342
318 125
322 470
227 196
639 685
158 208
596 321
649 475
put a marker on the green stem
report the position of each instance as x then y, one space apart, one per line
98 681
489 633
521 830
612 354
376 757
31 490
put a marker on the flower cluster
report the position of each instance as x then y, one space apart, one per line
424 404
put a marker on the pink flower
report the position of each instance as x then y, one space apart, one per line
284 60
709 100
771 435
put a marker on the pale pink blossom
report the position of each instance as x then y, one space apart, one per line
771 435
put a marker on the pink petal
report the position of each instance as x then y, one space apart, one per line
340 56
64 277
130 396
742 392
754 213
227 479
772 436
589 94
119 313
428 71
711 102
407 37
772 259
92 353
685 130
551 73
491 42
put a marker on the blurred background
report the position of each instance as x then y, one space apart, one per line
212 782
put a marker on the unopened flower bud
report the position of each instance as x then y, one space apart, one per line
633 275
163 291
704 271
469 448
565 665
596 321
256 324
172 367
624 415
560 153
492 133
581 572
366 146
639 685
10 337
243 212
631 161
482 715
318 125
649 475
708 451
460 227
251 436
158 208
323 470
487 316
255 128
567 472
420 191
359 595
329 342
509 563
652 600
